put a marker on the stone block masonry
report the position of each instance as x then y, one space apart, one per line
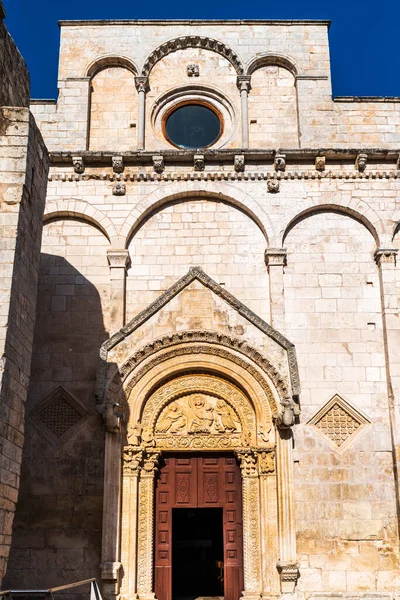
23 181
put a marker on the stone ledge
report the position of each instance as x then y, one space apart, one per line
144 157
197 22
223 176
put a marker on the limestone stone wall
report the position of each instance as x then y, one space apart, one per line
292 107
23 180
14 76
308 242
57 532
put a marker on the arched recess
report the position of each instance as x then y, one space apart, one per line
113 104
273 113
192 41
79 209
159 380
368 217
109 61
206 190
209 231
269 59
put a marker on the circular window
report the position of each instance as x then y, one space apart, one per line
193 126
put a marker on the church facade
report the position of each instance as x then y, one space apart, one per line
213 408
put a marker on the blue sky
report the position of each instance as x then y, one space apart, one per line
364 35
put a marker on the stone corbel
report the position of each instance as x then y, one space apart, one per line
287 417
119 189
192 70
158 164
110 571
118 259
289 574
275 257
112 417
77 162
273 186
386 255
117 164
320 163
239 163
280 161
361 162
198 162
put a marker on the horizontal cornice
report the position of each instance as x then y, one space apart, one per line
197 22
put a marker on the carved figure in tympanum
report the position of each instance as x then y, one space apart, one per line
173 421
198 413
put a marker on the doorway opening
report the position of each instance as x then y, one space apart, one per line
197 553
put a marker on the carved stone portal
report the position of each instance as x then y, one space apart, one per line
202 412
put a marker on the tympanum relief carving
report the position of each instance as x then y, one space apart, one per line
197 414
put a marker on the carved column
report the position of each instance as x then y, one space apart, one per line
132 461
142 86
118 261
146 526
269 523
287 565
251 524
275 259
243 83
386 260
110 564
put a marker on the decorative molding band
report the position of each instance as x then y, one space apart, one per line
193 41
224 176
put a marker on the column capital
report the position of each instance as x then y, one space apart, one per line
248 462
244 83
150 463
142 83
132 459
386 256
118 259
275 257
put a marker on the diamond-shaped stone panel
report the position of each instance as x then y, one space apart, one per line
338 424
338 421
59 416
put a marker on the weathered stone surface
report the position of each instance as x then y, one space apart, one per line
315 264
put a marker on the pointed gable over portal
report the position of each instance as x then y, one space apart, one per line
196 308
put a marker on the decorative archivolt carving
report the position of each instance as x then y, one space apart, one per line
194 345
198 411
192 41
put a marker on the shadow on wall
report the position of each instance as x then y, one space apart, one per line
57 528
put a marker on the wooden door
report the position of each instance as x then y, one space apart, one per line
193 481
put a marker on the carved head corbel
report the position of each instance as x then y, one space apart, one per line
286 417
112 417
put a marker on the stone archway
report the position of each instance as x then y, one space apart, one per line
203 411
